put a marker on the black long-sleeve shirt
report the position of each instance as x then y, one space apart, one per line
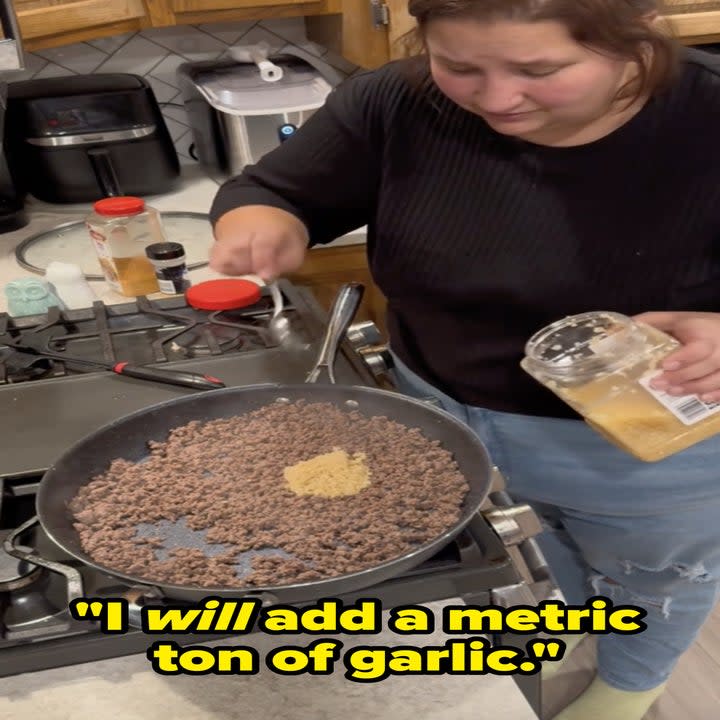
478 240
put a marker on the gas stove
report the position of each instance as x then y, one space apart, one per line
47 406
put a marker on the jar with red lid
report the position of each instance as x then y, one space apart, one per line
121 228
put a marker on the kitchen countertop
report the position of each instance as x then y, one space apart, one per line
127 689
194 194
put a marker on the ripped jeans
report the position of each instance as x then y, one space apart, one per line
645 534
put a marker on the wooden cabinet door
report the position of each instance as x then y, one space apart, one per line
359 33
692 6
48 23
399 24
365 32
39 18
199 6
694 21
355 34
201 11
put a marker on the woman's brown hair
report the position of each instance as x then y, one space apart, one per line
619 28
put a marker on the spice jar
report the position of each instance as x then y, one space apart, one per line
121 228
168 259
601 364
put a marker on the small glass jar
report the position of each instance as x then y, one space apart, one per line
600 364
121 228
168 259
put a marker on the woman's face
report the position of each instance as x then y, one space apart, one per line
528 80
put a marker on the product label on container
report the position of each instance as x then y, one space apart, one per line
102 248
167 287
689 409
172 280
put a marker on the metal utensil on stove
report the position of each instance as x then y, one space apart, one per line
142 372
278 325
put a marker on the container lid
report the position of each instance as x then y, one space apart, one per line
591 337
223 294
239 89
118 206
165 251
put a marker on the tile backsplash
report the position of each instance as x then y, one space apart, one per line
157 52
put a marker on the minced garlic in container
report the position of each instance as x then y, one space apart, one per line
600 363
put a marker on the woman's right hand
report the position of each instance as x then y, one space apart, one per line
259 240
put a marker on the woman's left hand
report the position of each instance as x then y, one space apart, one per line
693 369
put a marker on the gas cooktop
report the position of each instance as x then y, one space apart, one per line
46 407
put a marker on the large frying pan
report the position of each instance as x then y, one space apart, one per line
128 438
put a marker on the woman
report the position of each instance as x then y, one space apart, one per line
543 158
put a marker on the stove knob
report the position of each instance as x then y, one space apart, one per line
368 343
378 359
363 334
517 526
514 524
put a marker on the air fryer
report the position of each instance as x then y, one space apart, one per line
84 137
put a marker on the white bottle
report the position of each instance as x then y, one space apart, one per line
70 285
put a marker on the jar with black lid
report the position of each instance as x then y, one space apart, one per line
168 259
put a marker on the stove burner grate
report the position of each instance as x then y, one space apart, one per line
146 332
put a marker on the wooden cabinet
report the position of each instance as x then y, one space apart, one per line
326 269
366 32
50 23
694 22
202 11
370 32
60 21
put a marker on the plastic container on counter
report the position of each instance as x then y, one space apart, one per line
121 228
600 364
70 285
168 259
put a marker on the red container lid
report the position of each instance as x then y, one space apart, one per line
223 294
116 206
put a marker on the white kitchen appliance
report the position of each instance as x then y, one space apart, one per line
237 116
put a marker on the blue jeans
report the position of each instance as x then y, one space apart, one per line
645 534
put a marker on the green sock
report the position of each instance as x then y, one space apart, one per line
603 702
551 667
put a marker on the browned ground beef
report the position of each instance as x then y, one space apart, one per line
226 477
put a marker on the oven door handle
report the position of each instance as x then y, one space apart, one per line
75 589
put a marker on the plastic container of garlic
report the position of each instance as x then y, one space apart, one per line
600 364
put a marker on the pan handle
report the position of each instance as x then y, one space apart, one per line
75 589
343 311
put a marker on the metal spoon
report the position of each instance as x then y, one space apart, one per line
279 325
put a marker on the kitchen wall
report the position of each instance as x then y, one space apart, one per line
157 52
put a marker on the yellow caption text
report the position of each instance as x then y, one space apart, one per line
536 633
